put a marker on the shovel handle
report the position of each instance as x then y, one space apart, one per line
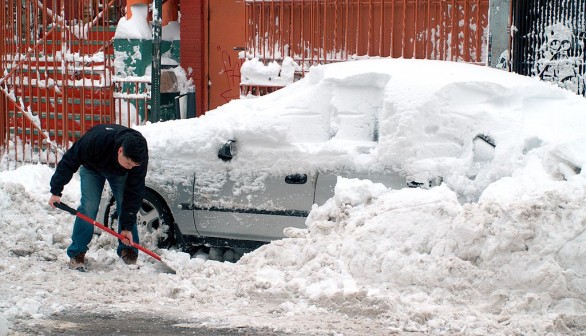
65 207
74 212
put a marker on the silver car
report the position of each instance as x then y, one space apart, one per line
245 221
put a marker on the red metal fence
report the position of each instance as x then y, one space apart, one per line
56 61
324 31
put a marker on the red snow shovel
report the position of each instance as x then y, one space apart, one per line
74 212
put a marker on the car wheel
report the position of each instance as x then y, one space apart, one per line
153 218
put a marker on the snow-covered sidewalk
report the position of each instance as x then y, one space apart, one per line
373 261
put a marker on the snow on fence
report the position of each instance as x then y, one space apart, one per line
312 32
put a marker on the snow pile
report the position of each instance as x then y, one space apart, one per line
254 72
421 257
137 27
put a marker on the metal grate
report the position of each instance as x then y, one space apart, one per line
549 41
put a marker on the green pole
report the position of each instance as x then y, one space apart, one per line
156 66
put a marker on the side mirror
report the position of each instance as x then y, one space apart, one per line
227 151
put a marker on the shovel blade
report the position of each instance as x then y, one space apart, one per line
164 267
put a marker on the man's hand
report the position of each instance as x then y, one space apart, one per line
54 199
128 235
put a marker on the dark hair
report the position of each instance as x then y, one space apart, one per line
134 147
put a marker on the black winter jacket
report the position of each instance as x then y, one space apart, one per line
97 150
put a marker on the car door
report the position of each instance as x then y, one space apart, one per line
254 207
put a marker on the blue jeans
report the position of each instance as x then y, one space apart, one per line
92 185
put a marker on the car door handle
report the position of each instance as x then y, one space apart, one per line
296 179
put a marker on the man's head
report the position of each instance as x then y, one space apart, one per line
133 151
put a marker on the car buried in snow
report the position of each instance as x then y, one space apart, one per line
238 176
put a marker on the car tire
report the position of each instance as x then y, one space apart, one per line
152 215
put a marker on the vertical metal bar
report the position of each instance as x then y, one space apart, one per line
262 34
247 19
291 35
428 30
313 43
272 27
439 44
381 34
346 27
51 113
512 42
415 34
479 32
81 87
258 28
98 69
312 29
250 28
4 125
404 29
302 36
65 36
43 149
441 19
392 26
261 31
26 101
321 57
36 147
534 36
156 63
281 28
57 69
259 35
326 34
20 82
369 29
11 121
13 77
335 47
467 55
358 27
453 32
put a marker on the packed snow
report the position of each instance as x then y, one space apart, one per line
497 248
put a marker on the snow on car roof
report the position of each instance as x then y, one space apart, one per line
416 117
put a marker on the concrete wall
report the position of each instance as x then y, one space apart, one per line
499 11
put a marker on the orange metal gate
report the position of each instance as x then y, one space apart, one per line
55 60
225 38
324 31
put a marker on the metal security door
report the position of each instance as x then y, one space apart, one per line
550 41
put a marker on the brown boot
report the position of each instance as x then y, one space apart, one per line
129 256
78 262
